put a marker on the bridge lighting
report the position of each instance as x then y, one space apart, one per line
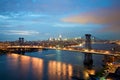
118 43
69 49
54 47
107 52
40 46
92 50
86 50
35 46
58 48
64 48
50 46
80 45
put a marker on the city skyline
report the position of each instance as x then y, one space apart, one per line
42 19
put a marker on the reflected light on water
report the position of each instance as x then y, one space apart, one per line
37 66
38 69
27 64
59 71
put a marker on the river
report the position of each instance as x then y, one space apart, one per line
50 65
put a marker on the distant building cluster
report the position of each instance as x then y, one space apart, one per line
60 38
53 42
55 39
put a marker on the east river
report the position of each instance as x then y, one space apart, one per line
50 65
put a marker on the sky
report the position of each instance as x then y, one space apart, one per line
42 19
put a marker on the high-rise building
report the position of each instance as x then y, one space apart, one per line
60 37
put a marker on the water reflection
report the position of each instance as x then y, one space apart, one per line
59 71
31 68
27 67
88 61
39 69
88 67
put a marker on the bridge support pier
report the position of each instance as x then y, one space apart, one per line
88 41
88 61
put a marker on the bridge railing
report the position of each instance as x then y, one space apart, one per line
24 47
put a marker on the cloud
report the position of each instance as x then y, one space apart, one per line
19 32
4 17
109 18
22 15
22 18
66 25
38 15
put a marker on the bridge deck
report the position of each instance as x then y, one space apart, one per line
83 50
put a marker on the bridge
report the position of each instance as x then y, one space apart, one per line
88 49
88 61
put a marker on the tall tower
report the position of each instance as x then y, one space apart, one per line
21 41
88 57
88 41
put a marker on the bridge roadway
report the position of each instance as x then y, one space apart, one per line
70 48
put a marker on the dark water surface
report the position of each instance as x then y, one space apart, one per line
49 65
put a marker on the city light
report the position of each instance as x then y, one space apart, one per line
59 45
92 50
107 52
59 39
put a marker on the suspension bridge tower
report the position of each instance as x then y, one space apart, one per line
88 61
88 41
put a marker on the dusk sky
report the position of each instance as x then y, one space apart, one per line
42 19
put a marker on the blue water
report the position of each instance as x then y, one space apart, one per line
48 65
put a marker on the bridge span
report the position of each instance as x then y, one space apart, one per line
75 49
88 49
